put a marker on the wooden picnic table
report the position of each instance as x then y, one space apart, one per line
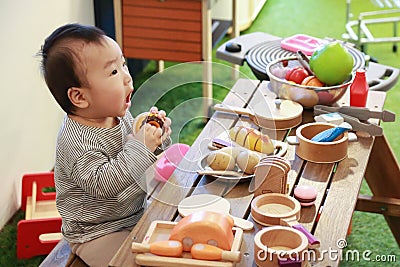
337 183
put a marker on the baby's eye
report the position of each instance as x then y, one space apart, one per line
114 72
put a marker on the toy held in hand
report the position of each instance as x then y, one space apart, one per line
153 117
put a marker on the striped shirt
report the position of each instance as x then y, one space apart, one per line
99 177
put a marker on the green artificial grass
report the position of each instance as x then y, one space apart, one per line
281 18
8 245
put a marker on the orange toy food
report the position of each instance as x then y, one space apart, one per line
204 227
169 248
312 81
212 253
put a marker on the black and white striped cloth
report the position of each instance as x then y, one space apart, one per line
99 177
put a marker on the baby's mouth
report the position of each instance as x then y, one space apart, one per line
128 98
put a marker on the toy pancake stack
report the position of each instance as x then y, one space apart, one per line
270 176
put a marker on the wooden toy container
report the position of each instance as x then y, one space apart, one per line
273 208
278 245
320 152
280 209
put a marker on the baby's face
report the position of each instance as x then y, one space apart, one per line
110 84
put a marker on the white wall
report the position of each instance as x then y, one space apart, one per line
247 11
30 116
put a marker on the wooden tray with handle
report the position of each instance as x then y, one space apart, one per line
161 230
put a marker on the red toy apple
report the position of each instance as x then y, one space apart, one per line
296 74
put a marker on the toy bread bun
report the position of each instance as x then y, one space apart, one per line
233 132
139 121
219 160
251 139
203 226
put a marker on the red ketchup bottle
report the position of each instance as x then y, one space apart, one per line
359 90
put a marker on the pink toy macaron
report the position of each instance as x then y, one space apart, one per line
305 194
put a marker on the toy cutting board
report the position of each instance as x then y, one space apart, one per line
161 230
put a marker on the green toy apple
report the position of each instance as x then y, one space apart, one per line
332 63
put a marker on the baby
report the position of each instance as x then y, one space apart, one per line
100 161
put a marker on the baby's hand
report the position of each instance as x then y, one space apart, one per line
149 135
161 114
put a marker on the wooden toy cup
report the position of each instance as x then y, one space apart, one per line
320 152
280 209
277 245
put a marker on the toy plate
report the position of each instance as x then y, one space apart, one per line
245 177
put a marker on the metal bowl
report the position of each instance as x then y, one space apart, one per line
307 96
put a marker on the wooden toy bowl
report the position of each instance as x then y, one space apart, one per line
280 209
278 245
320 152
272 208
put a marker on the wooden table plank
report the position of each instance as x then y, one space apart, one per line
383 164
335 217
389 171
343 192
318 176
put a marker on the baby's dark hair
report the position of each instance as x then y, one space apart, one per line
60 61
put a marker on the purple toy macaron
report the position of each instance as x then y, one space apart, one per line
305 194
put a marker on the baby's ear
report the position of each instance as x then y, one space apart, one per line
77 97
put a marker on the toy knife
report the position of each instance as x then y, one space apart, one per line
359 112
357 125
